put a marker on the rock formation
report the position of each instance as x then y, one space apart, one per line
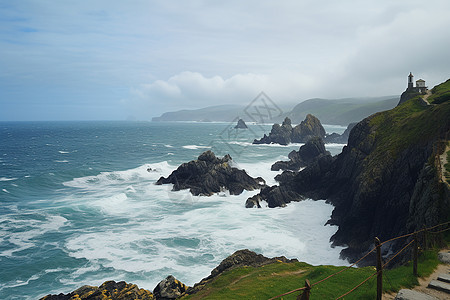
384 182
108 290
301 158
241 124
208 175
285 134
169 288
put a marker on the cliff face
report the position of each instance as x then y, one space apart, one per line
384 182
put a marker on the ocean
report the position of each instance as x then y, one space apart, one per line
79 205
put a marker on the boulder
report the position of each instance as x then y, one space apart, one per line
169 288
209 174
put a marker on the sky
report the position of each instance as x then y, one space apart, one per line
118 60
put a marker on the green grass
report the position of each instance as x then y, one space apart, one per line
440 93
275 279
408 124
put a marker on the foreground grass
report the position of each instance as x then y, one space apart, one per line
275 279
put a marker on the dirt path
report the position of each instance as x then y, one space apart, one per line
423 283
425 97
443 159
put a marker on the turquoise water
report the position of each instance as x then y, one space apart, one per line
79 206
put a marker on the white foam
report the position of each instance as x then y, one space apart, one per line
261 169
291 145
6 191
195 147
177 233
62 161
7 179
17 232
64 152
147 172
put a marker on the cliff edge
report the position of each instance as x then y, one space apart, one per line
385 181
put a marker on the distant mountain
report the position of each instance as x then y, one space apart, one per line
218 113
328 111
341 111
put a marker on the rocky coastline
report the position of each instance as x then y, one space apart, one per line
168 288
384 183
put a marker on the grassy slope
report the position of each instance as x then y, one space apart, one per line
413 124
275 279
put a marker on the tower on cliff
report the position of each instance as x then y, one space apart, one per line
410 81
412 91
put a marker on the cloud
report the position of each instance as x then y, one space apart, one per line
191 90
175 55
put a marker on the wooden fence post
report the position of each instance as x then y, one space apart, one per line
379 270
306 292
415 254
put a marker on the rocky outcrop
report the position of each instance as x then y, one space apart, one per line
169 288
383 183
238 259
286 134
209 174
108 290
241 124
339 138
406 95
301 158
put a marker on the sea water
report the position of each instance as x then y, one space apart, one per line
79 205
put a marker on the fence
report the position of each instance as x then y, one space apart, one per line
307 289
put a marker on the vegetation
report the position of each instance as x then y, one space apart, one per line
411 123
278 278
440 93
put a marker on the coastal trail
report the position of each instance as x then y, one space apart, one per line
444 161
423 287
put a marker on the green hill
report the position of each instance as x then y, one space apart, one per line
341 111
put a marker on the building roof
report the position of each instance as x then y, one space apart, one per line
410 74
421 80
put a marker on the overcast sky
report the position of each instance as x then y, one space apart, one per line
111 60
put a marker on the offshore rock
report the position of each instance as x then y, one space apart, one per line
301 158
209 174
307 129
169 288
286 134
108 290
241 124
278 135
238 259
340 138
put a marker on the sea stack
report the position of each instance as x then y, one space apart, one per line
241 124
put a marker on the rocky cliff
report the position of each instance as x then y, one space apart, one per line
384 182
